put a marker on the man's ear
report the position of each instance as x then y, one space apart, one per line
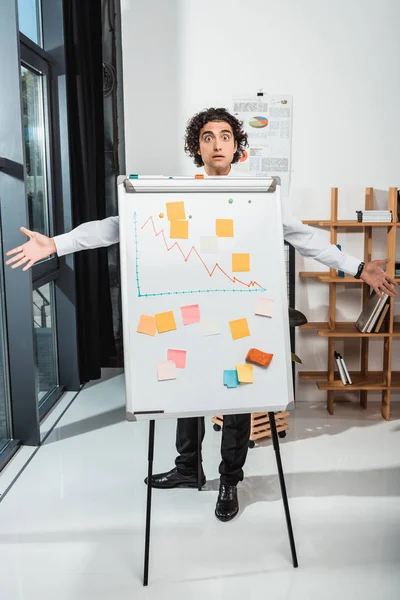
236 146
198 151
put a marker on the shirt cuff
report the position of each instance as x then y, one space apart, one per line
350 264
64 244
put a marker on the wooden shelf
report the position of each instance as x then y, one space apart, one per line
315 325
308 274
384 381
313 374
337 279
349 224
373 376
324 277
347 330
372 381
344 330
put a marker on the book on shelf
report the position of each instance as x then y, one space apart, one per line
340 368
343 370
398 205
374 216
381 319
370 314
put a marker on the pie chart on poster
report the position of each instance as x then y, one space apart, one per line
258 122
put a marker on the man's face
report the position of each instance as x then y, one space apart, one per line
217 147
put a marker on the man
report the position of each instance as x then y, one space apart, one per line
214 139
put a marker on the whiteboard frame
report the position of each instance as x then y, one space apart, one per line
186 184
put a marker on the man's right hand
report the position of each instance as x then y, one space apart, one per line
39 246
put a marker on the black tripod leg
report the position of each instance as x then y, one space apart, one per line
275 441
199 432
148 510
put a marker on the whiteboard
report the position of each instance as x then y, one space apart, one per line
160 274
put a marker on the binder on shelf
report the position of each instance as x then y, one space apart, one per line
377 314
371 312
381 319
346 372
340 368
374 216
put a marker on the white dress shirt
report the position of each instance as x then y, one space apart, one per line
309 241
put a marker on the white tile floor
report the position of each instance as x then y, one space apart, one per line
72 526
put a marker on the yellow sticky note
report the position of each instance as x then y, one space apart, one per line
240 263
239 328
175 211
165 321
147 325
179 230
245 373
224 227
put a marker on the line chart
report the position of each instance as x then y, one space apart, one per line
251 286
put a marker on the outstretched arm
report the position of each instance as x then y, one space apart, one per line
94 234
311 242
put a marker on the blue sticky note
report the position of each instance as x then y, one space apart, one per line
231 379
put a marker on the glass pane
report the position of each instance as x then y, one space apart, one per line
5 413
45 341
35 148
29 20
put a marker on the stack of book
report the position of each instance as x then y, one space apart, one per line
374 216
342 368
397 270
373 315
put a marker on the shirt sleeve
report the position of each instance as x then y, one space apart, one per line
94 234
311 242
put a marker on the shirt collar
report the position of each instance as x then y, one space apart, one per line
203 172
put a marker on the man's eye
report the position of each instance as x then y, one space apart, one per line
208 138
226 138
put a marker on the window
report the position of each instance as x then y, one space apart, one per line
45 342
34 131
29 16
5 413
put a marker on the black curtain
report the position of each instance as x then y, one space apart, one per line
84 79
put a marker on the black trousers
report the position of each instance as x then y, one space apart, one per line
234 446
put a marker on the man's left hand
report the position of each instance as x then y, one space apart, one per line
378 279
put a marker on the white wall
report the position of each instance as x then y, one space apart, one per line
341 62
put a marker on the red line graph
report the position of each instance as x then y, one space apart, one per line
193 251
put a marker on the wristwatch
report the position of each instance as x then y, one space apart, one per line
359 270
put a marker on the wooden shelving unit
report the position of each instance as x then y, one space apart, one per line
364 380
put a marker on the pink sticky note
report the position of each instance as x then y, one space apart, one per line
264 307
190 314
166 369
179 358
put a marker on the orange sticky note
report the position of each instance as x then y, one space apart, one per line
240 263
165 322
175 211
224 227
245 373
179 230
239 328
147 325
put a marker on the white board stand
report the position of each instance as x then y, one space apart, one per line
148 288
275 441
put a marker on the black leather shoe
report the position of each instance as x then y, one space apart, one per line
227 504
174 479
296 318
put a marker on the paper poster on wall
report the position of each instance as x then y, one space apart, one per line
267 120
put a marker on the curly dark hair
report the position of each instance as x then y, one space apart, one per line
195 124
